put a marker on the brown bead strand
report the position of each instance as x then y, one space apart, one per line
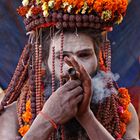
61 72
32 87
66 21
103 113
38 77
61 58
107 50
16 94
106 111
116 116
109 117
110 120
20 122
53 69
22 104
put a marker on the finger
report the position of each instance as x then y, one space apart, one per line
66 76
71 84
84 75
75 92
68 61
79 99
75 64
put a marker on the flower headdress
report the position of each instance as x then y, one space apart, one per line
26 83
96 14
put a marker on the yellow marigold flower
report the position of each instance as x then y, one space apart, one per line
120 19
38 2
84 8
106 15
51 4
45 13
44 6
69 8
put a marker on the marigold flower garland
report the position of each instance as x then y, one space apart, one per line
107 10
124 114
26 117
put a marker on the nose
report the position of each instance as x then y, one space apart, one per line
75 57
65 68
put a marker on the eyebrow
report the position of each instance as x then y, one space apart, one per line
64 52
84 51
80 51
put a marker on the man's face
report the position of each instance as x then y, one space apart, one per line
80 47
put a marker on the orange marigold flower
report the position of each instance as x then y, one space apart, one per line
36 10
22 11
125 116
28 106
101 62
123 92
124 98
23 130
124 103
90 2
98 7
79 4
44 1
108 5
27 116
57 4
122 128
122 6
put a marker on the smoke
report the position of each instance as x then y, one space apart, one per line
100 85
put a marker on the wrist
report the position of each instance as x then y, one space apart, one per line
54 116
85 117
48 118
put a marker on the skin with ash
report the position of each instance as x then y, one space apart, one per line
80 47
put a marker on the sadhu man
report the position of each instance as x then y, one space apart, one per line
63 87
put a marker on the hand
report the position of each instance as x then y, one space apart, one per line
62 104
86 85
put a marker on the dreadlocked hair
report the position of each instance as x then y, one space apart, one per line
13 91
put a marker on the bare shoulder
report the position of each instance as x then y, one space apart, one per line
133 127
8 123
